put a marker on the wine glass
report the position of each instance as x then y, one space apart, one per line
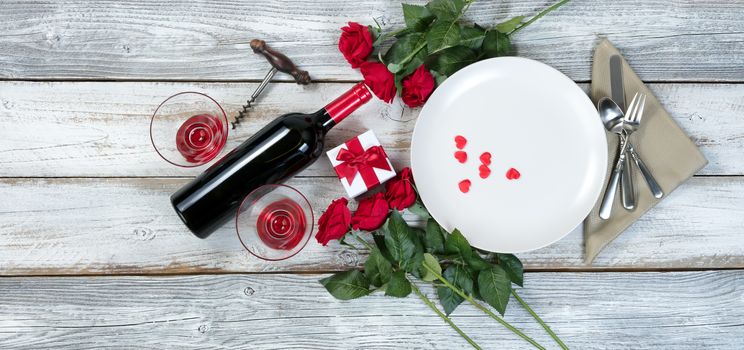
188 129
274 222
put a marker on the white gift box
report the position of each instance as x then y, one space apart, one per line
363 160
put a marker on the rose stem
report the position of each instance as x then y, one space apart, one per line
543 13
539 320
444 317
484 309
363 242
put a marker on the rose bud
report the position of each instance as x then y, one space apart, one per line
379 79
355 43
417 87
371 213
399 191
335 221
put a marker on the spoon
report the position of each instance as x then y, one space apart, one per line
613 119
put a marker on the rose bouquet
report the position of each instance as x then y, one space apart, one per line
434 44
402 256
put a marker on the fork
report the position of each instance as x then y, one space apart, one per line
631 123
633 115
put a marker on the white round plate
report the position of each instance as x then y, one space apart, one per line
530 117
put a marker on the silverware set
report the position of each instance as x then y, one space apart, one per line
623 124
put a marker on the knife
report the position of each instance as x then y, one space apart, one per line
617 91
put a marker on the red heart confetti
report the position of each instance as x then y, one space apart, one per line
460 142
461 156
464 186
484 171
513 174
485 158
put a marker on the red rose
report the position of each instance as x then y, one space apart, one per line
399 191
371 213
355 43
379 79
334 223
417 87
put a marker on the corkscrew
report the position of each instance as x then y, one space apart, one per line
279 62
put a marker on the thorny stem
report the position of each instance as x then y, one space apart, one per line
444 317
539 15
484 309
363 242
539 320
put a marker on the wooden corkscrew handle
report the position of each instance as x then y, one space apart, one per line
279 61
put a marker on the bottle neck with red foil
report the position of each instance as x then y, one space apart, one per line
347 103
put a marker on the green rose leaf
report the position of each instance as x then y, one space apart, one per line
446 9
418 232
442 35
405 55
494 287
399 286
413 265
417 17
380 243
403 47
394 67
457 244
434 237
431 264
377 269
476 262
419 209
460 277
449 299
513 267
453 59
495 44
376 33
472 37
347 285
438 77
398 238
508 26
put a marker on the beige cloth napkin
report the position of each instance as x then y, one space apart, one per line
665 148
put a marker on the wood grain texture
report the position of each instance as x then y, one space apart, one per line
684 40
127 226
681 310
102 129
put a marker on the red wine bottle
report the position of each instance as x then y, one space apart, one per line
280 150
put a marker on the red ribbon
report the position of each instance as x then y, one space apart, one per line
358 160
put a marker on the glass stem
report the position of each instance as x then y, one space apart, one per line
444 317
539 320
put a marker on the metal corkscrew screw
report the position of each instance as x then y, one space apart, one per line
279 62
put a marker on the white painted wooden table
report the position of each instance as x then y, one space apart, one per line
92 255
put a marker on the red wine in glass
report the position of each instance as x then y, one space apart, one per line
275 153
274 222
281 225
188 129
200 138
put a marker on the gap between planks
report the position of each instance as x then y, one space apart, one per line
314 81
191 177
323 272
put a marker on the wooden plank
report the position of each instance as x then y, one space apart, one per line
127 226
680 310
685 40
101 129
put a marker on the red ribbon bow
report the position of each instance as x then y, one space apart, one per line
358 160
